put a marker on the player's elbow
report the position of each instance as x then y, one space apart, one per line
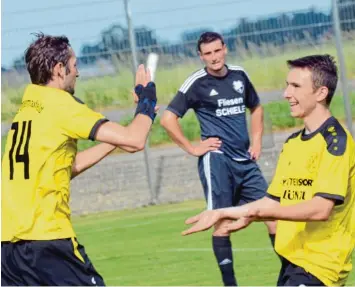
321 215
130 149
140 146
322 208
166 119
137 145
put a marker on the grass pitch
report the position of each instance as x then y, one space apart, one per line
143 247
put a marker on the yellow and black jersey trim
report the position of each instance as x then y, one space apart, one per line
92 135
276 198
339 200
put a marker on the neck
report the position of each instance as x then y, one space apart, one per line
220 73
52 84
314 120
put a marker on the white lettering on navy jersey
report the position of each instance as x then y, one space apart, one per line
226 110
230 111
230 102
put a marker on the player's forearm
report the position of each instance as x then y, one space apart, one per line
89 157
241 211
317 209
257 124
132 136
138 131
175 132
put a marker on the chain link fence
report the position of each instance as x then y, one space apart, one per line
260 44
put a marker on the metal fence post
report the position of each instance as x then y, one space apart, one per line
132 41
342 67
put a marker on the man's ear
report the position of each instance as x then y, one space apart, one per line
200 55
59 70
322 94
225 49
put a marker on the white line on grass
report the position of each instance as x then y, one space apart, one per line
209 249
91 219
174 250
127 226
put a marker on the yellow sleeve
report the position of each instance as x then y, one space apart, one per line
78 121
333 175
276 188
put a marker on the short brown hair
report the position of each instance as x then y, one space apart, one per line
43 54
324 71
208 37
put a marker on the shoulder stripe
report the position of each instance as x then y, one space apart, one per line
235 68
190 80
294 135
335 137
238 68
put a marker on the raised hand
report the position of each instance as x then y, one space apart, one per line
207 145
143 77
203 221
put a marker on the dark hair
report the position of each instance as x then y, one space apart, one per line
324 71
208 37
43 54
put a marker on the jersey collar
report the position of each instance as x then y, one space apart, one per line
306 137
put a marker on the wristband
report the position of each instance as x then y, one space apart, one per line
146 107
147 100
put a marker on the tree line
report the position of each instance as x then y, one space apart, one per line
277 30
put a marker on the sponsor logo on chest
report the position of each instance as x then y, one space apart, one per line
238 86
232 105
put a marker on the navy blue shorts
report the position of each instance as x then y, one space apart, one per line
227 182
293 275
60 262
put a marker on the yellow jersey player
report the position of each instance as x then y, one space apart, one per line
312 193
38 243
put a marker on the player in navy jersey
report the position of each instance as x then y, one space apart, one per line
220 95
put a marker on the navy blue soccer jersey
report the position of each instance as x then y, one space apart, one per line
220 105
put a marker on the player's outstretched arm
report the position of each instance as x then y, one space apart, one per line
209 218
133 137
316 209
170 123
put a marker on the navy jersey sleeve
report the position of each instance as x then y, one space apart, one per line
251 96
179 104
183 100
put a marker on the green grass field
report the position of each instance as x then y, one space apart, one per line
143 247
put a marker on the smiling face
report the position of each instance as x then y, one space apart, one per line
311 83
213 55
300 93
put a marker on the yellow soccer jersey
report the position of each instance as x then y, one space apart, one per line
318 164
36 168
